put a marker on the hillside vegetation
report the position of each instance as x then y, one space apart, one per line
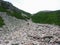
50 17
12 10
1 22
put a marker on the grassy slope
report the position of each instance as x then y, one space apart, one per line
13 11
1 22
52 17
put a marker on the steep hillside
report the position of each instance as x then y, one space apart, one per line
13 11
47 17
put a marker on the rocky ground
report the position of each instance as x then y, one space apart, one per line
20 32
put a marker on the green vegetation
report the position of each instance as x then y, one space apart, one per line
1 22
13 13
18 15
52 17
12 10
2 9
28 14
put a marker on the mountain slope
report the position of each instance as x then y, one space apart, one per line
47 17
21 32
13 11
17 27
9 8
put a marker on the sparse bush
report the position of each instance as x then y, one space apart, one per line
1 22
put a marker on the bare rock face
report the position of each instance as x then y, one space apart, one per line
6 4
1 0
21 32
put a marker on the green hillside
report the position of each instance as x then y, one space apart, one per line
47 17
1 22
13 11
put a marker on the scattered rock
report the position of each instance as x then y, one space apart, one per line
27 33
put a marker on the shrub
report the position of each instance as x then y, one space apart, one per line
1 22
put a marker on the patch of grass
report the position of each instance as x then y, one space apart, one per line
52 17
13 13
2 9
1 22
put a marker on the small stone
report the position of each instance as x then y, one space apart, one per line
15 44
6 42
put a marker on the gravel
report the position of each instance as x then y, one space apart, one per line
21 32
